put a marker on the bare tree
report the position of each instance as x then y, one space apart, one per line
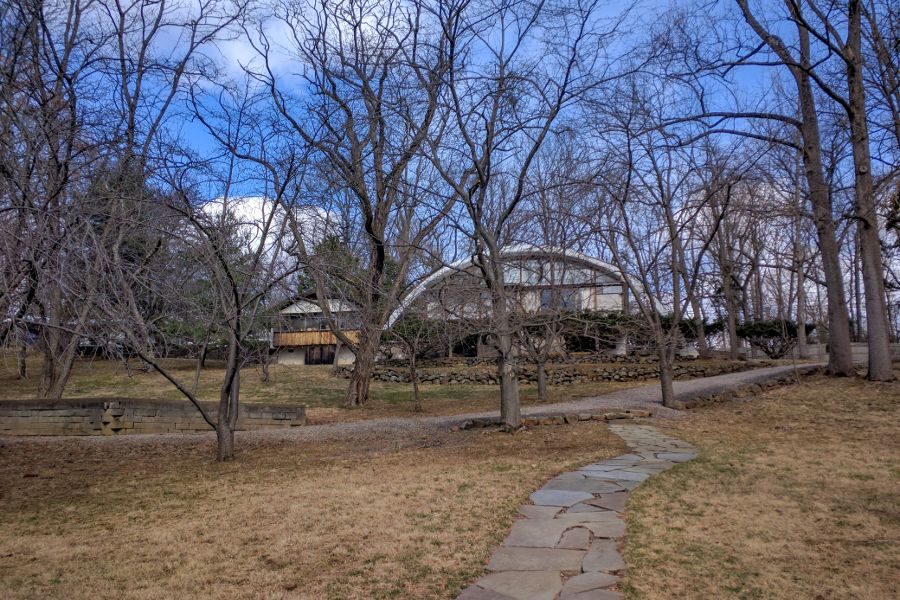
817 28
419 336
502 105
61 134
728 54
50 134
373 74
648 195
242 249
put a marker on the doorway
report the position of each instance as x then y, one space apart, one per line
320 355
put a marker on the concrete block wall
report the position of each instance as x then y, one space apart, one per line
123 416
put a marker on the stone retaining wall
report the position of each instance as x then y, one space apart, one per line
488 361
559 375
122 416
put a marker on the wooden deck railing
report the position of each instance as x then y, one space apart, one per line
308 338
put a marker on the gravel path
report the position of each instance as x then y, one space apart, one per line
646 397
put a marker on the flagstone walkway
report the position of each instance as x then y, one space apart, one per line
565 545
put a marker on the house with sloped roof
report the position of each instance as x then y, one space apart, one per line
302 335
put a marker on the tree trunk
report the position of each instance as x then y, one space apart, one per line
224 439
264 365
542 380
48 371
414 379
731 310
229 398
666 376
63 370
856 285
880 367
337 352
801 313
22 367
510 411
361 377
756 303
702 344
800 268
840 358
50 343
59 358
201 358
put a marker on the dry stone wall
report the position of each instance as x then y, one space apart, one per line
123 416
560 375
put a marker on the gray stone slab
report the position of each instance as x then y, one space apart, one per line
584 507
651 469
626 476
548 533
551 497
676 456
607 529
627 485
594 486
587 582
578 538
533 585
570 475
602 475
614 502
531 511
600 467
536 559
603 556
625 457
536 533
589 517
593 595
473 592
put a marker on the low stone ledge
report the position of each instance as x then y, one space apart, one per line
555 419
123 416
747 389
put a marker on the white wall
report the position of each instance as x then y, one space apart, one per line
344 356
291 356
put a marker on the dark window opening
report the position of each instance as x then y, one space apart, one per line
320 355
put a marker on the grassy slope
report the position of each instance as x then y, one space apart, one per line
794 495
313 386
368 519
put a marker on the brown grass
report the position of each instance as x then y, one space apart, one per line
314 386
413 518
794 495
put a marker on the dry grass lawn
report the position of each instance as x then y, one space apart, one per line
137 519
795 495
314 386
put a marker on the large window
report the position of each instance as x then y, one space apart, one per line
561 299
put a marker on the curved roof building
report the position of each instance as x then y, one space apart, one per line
539 278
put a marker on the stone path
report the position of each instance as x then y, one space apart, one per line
565 545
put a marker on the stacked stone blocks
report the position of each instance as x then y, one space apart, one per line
123 416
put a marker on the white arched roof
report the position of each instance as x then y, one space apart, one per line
518 251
